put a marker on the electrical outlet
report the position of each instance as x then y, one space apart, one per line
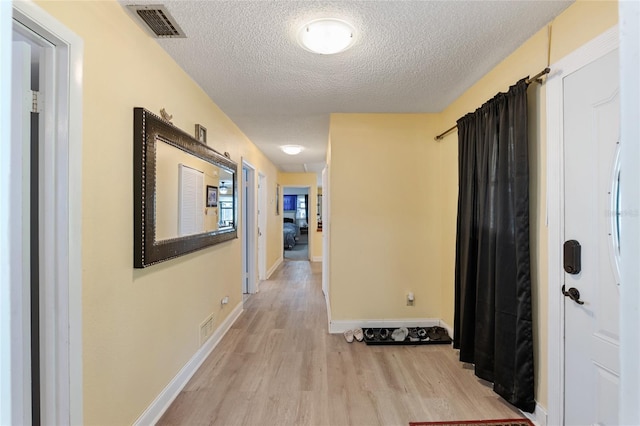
206 329
224 300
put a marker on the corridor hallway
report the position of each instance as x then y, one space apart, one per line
279 366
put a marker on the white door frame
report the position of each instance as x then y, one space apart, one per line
250 228
630 219
62 235
598 47
7 403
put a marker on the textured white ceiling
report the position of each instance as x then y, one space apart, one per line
410 56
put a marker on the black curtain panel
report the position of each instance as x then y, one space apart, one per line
492 324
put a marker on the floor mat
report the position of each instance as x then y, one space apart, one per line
501 422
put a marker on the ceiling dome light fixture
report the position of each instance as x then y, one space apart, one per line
292 149
224 189
326 36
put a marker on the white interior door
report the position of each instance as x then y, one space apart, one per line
262 227
591 179
245 230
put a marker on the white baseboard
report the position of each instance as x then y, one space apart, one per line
159 405
274 267
538 417
340 326
316 259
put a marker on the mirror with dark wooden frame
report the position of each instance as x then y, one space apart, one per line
184 192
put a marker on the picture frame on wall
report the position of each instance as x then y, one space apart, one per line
212 196
201 133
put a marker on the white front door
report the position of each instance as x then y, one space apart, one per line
591 220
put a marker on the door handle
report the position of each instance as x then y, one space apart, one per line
573 294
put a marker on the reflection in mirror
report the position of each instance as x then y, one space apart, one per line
192 195
184 192
225 206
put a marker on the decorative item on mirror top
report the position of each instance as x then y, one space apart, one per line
201 133
185 196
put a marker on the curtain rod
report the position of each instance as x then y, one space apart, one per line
535 78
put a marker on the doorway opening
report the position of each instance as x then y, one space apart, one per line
45 262
295 216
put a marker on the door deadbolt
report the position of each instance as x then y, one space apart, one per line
572 254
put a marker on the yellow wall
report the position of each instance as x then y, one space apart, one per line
140 327
381 249
274 225
306 180
385 216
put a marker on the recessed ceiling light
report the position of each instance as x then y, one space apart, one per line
292 149
326 36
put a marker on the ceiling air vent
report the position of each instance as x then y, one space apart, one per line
158 20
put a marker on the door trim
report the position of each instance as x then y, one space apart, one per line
6 391
309 240
326 241
593 50
62 273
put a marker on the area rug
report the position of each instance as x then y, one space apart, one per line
501 422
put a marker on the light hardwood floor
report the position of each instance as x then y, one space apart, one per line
279 366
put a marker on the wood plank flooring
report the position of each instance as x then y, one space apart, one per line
279 366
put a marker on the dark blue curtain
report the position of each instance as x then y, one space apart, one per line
492 324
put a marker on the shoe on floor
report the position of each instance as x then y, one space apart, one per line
358 334
369 333
399 334
348 335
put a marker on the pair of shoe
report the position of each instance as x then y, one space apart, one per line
357 334
377 334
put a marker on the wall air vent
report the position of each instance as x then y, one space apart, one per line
157 20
